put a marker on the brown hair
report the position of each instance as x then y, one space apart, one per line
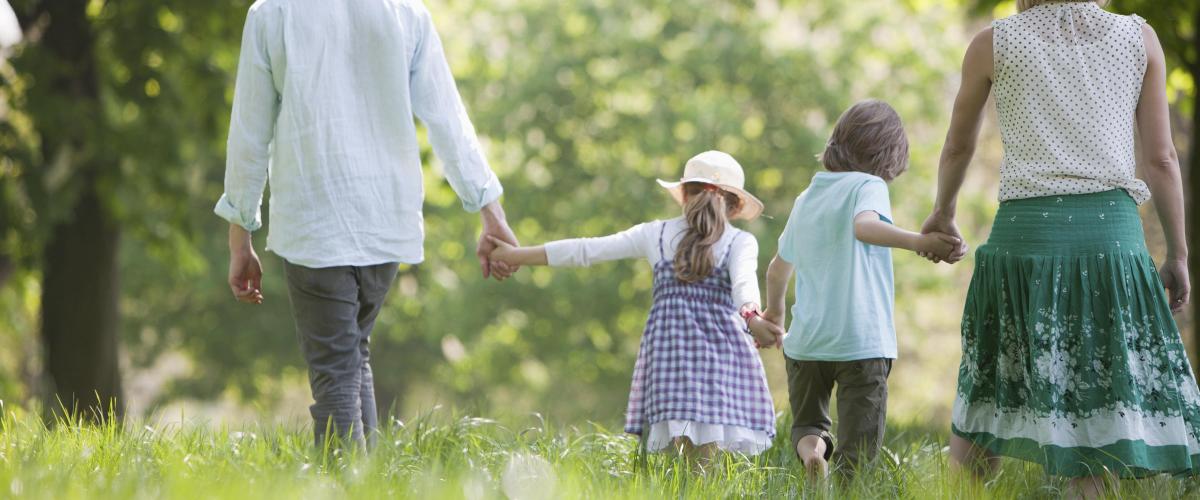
1024 5
707 210
869 137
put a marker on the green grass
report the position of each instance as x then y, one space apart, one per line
444 456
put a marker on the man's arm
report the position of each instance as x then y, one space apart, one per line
961 139
1161 168
251 129
436 102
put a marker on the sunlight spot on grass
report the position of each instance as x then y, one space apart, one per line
529 477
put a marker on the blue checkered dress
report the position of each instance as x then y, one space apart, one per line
696 362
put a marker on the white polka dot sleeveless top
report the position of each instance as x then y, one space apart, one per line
1067 81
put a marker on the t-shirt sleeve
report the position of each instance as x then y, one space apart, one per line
873 196
790 239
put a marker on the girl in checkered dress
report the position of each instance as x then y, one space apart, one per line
698 384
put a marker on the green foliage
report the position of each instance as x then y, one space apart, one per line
581 103
442 456
1175 22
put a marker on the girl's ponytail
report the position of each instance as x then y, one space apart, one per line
707 212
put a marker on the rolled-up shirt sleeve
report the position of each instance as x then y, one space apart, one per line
436 102
743 270
582 252
251 129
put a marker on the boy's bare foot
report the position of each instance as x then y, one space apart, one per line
811 450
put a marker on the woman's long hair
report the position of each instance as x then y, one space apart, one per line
707 210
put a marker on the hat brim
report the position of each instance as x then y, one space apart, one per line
752 207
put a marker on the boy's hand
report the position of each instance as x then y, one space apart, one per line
773 316
940 245
766 334
939 223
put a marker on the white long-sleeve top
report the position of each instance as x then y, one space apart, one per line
324 103
641 241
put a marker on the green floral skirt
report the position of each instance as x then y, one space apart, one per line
1070 356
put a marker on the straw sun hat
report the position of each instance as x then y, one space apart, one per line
721 170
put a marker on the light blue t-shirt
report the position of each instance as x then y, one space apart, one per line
844 287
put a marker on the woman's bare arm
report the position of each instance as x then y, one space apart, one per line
965 121
1161 167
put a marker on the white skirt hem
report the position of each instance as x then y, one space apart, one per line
727 437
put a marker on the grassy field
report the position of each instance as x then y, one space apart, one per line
441 456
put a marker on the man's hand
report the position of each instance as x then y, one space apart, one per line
944 224
245 271
495 226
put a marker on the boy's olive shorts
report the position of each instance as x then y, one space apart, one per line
861 404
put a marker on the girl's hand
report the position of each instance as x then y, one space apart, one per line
939 245
502 251
765 333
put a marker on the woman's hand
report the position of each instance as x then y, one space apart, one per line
1174 274
937 223
938 244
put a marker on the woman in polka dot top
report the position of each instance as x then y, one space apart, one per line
1071 358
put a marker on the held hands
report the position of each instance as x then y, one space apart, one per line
502 253
938 245
934 250
495 230
766 334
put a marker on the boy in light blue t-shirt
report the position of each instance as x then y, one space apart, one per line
837 244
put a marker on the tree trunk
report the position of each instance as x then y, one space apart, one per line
80 315
80 286
1193 176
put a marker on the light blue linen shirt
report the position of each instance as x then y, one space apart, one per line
324 102
844 287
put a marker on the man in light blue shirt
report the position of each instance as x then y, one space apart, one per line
324 103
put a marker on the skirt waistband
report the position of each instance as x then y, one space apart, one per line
1106 222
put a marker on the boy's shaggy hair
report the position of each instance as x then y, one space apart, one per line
869 137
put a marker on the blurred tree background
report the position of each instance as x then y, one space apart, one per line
112 123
